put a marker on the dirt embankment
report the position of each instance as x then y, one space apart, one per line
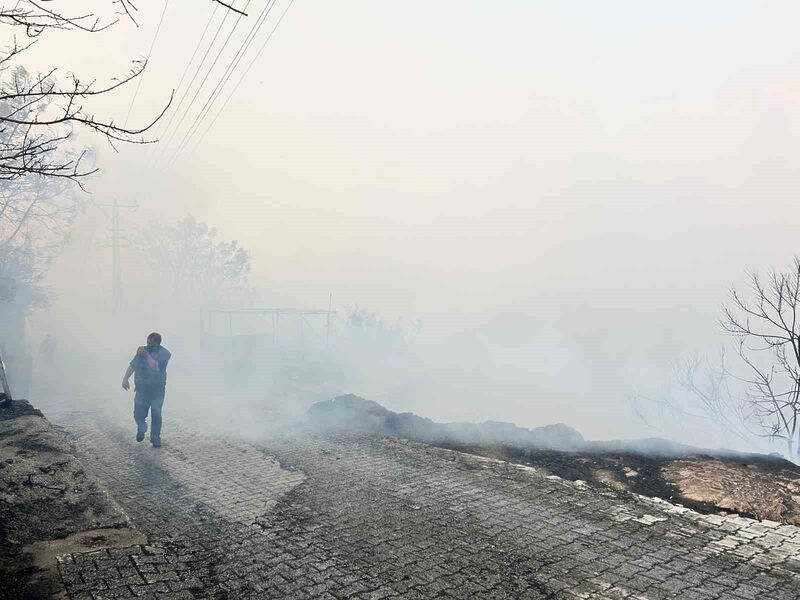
752 485
48 505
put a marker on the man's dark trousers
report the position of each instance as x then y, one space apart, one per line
149 399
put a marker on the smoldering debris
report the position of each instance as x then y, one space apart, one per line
352 412
755 485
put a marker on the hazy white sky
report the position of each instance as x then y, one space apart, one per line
575 182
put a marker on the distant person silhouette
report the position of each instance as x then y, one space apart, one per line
48 350
150 366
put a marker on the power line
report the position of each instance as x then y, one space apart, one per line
226 76
262 18
196 49
210 69
247 70
149 52
196 73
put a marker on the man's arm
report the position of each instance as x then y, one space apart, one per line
125 383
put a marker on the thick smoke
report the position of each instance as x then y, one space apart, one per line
517 230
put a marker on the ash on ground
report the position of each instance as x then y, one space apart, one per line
710 481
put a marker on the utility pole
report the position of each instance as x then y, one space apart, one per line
116 270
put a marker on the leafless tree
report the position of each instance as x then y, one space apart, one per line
39 163
35 217
706 395
39 114
752 392
36 15
713 398
766 325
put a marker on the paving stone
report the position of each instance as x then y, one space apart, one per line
367 517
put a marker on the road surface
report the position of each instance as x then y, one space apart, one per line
302 515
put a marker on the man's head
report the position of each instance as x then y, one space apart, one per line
153 340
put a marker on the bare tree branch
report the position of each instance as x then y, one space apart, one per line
765 327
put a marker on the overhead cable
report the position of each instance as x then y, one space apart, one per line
244 75
147 61
196 49
208 73
226 75
196 73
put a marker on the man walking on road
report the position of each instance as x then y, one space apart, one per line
150 366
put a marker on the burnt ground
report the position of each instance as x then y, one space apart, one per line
752 486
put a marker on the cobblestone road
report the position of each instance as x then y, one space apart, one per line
306 516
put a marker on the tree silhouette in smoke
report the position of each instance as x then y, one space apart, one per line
766 325
753 392
197 269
